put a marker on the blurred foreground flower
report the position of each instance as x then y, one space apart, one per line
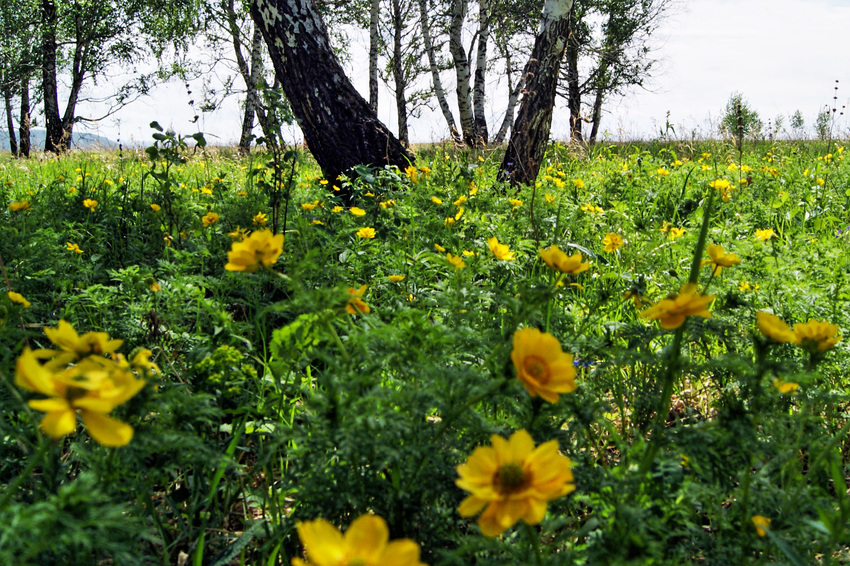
19 299
542 367
365 543
261 248
513 480
20 206
78 378
672 311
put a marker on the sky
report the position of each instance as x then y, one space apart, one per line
782 55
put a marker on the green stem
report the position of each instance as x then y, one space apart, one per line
43 447
534 542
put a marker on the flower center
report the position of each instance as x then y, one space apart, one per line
510 477
537 368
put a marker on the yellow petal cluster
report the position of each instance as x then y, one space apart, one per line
355 301
672 311
455 261
261 248
365 543
366 233
78 379
20 206
513 480
501 251
19 299
612 242
209 219
814 335
559 261
762 525
720 259
542 367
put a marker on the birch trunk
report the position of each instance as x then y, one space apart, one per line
573 89
513 97
435 72
398 73
24 123
374 14
54 139
340 129
10 123
461 65
530 132
481 132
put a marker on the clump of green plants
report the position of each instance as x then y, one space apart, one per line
638 360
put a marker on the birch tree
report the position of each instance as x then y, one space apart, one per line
530 132
340 129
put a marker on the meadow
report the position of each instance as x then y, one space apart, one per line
216 359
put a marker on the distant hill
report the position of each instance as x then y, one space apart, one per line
82 140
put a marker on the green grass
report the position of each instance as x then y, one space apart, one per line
274 405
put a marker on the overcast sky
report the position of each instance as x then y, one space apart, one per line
783 55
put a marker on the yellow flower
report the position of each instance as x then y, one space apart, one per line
366 233
501 251
439 248
762 525
90 204
155 207
337 209
612 241
549 198
20 206
260 219
774 328
462 199
513 480
238 234
559 261
366 543
765 234
578 183
590 209
459 214
412 173
396 278
19 299
455 261
355 301
261 248
785 387
206 190
311 205
662 172
820 181
77 378
155 287
816 335
542 367
355 211
720 259
436 200
73 247
672 311
515 202
242 193
449 221
209 219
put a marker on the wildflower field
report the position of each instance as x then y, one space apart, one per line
211 359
